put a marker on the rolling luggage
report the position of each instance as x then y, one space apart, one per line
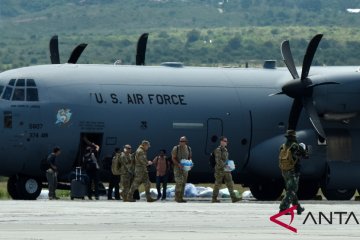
78 185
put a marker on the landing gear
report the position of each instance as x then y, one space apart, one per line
307 190
338 194
11 187
22 187
268 191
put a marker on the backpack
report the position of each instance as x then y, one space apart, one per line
90 165
212 161
286 160
116 165
44 164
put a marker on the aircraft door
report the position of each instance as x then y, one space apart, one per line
86 139
214 132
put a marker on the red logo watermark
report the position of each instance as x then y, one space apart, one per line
275 217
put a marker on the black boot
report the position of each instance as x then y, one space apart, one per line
299 209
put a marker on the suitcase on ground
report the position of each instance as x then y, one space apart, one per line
78 185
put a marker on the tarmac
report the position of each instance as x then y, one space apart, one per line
196 219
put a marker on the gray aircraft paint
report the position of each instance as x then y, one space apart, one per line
130 103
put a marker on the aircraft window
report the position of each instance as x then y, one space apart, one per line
32 94
19 94
1 89
7 94
30 83
7 119
20 83
12 82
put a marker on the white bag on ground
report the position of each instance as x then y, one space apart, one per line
205 192
190 190
247 195
224 193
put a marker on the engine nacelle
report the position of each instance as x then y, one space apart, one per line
264 157
338 100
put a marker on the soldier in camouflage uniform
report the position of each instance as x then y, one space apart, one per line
179 152
126 170
141 172
221 155
290 171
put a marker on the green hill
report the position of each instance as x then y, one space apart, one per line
196 32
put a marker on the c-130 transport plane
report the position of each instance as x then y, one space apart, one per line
63 104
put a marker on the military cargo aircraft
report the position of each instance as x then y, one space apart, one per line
111 105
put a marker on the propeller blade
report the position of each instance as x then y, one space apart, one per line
76 53
54 50
319 84
274 94
309 55
141 49
313 115
295 113
288 59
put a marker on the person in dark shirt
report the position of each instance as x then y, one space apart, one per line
92 170
52 172
114 180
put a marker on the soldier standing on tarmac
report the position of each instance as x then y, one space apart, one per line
141 172
126 171
179 152
289 161
221 155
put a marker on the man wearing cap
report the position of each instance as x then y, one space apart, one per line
221 156
141 172
290 154
52 171
126 170
179 152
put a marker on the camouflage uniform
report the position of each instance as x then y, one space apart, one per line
221 155
141 175
291 176
180 175
116 164
126 172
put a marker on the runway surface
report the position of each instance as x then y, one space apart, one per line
82 219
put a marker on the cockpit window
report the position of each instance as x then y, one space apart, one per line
7 93
20 83
20 90
1 89
32 94
30 83
12 82
19 94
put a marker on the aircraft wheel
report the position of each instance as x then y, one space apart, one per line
307 190
338 194
267 191
28 188
11 187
